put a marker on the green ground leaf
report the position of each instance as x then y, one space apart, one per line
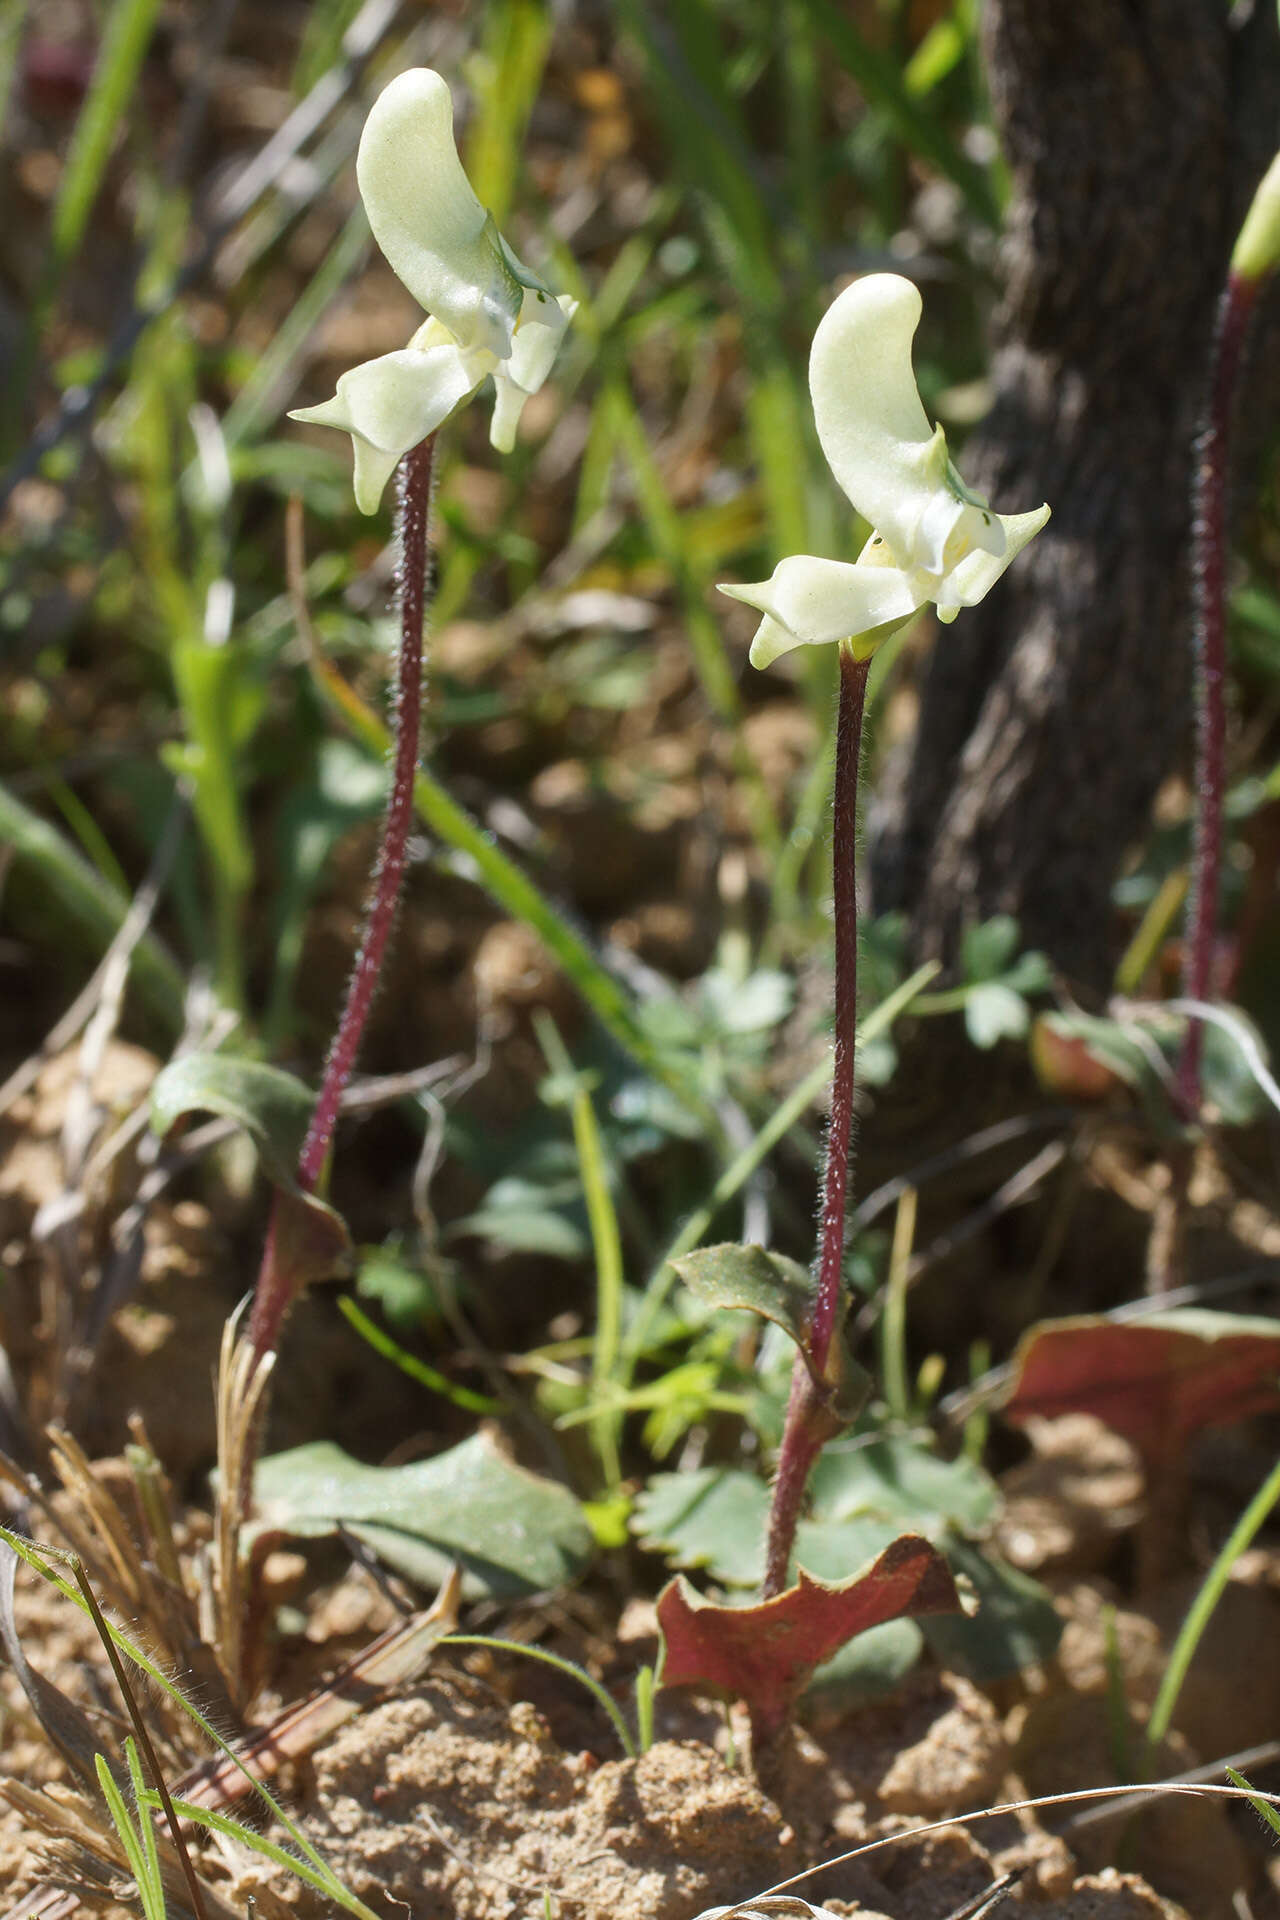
272 1107
898 1479
1015 1625
510 1531
1085 1054
870 1665
714 1517
751 1280
994 1012
986 950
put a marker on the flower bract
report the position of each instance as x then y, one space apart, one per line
932 540
489 313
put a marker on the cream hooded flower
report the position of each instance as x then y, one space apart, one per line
933 540
489 313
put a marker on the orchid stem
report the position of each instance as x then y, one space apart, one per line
276 1289
808 1424
1209 568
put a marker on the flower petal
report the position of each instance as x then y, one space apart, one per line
427 220
388 405
811 602
973 577
876 435
537 341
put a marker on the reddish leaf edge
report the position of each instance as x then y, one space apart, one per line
766 1654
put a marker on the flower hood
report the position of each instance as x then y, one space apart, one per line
490 314
933 539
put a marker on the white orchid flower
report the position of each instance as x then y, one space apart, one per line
489 313
933 539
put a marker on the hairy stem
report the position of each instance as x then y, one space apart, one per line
808 1424
1209 570
276 1289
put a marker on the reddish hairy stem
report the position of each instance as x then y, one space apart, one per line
807 1425
274 1294
1209 573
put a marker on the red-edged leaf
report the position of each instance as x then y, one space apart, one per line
766 1653
311 1242
1156 1381
1065 1065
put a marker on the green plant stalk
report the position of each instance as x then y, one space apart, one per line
115 79
710 658
1201 1609
645 1685
607 1245
593 1686
276 1289
257 404
810 1423
893 1323
507 73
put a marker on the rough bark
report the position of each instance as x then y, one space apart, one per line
1135 132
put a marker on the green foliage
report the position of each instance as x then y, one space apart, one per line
510 1531
271 1106
865 1492
78 898
770 149
305 1861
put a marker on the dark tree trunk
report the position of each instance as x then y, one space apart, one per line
1135 131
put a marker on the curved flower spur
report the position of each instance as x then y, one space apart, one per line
489 313
932 540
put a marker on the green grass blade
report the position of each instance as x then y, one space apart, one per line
505 75
417 1370
259 403
710 655
93 905
115 78
685 54
606 1244
129 1839
1261 1807
43 1560
884 88
550 1659
152 1888
323 1882
13 18
1201 1610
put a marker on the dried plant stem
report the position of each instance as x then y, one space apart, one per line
809 1423
1209 568
274 1293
